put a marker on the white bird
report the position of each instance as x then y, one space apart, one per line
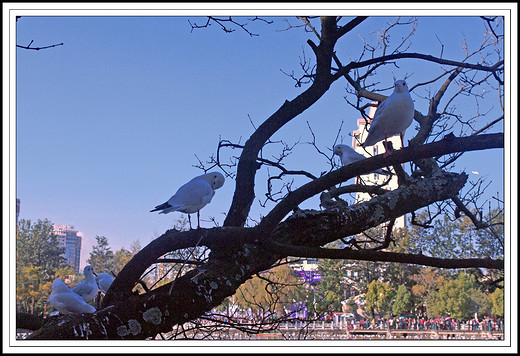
392 117
88 288
348 156
104 280
193 196
66 301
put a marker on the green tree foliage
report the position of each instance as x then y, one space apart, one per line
459 298
367 271
395 274
38 261
351 307
379 297
37 245
121 258
403 301
330 290
102 258
458 238
493 243
497 302
400 273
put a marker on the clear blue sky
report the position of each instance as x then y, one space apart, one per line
108 125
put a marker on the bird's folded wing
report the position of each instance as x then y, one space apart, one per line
67 297
194 192
382 107
81 288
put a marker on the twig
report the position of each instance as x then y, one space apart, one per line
38 48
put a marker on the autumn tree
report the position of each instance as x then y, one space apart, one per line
243 246
29 288
271 291
38 260
459 298
426 282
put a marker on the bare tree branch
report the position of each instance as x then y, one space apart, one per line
497 67
369 255
368 165
223 21
38 48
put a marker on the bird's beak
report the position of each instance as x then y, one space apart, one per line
94 273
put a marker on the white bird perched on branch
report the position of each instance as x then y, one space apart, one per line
88 288
393 116
66 301
193 196
348 156
104 280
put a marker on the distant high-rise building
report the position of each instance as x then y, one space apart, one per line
70 239
358 137
17 209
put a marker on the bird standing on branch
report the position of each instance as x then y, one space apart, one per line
193 196
393 116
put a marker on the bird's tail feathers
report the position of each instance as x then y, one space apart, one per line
161 207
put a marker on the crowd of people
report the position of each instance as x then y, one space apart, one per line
419 323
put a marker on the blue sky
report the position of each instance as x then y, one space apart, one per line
111 123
